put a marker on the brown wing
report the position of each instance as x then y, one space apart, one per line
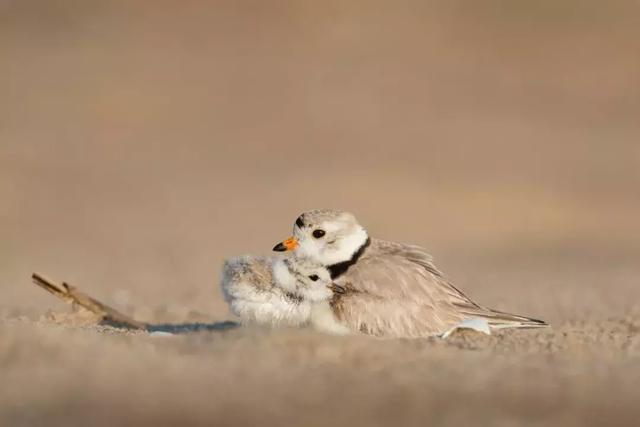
395 290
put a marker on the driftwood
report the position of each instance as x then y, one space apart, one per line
107 315
111 317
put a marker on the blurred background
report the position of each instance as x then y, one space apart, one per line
141 143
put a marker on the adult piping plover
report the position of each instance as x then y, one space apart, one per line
279 291
388 289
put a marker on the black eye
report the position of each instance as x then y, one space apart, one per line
314 277
318 233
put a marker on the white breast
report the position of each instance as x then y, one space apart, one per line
322 319
271 309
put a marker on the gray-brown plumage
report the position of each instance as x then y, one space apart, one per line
395 290
389 289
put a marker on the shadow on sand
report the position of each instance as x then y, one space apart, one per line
187 328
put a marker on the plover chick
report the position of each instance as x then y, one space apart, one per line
279 291
389 289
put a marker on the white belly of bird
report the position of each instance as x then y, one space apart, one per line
322 319
271 310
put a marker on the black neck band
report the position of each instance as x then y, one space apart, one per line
340 268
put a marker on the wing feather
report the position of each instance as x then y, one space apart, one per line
395 290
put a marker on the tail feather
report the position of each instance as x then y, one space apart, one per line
502 320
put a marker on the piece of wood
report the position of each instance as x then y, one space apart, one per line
109 316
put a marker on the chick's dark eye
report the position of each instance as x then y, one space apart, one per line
314 277
318 233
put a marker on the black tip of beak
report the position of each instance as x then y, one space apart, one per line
280 247
337 288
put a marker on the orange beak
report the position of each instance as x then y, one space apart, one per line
288 245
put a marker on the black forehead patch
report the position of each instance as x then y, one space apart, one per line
300 222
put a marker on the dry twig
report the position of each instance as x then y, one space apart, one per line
107 315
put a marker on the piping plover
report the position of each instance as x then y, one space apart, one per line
388 289
280 291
